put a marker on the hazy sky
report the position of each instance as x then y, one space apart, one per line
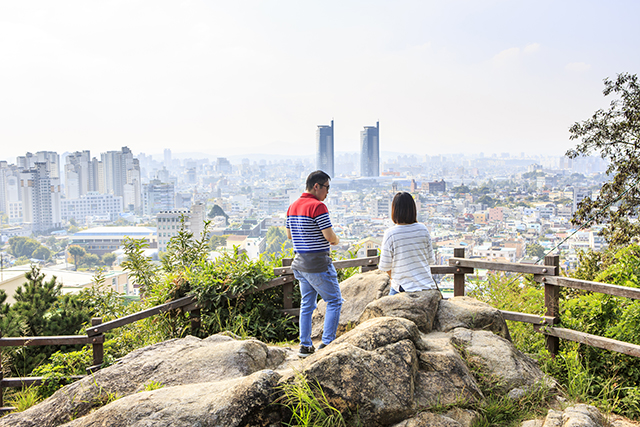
239 77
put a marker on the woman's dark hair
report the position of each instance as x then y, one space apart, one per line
403 209
316 177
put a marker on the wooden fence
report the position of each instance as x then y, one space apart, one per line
95 332
459 266
549 275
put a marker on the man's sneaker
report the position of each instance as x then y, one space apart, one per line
306 351
321 346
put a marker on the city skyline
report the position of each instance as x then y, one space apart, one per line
231 79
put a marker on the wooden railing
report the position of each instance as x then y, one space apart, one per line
459 267
95 333
95 337
549 275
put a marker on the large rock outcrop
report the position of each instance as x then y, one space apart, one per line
237 402
469 313
498 357
419 307
357 291
579 415
176 362
397 358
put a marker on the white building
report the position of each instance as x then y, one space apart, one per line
91 205
495 253
170 222
40 197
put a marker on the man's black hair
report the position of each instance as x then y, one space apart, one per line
317 177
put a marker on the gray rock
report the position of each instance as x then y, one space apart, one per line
419 307
373 373
466 417
469 313
579 415
443 378
498 358
429 419
188 360
237 402
357 291
582 415
379 332
553 419
516 393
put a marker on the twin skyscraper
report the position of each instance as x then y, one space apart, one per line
369 150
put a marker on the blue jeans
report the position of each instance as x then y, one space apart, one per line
393 291
325 284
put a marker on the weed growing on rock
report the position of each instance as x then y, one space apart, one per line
24 399
309 405
153 385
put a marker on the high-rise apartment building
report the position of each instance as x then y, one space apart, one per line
40 197
157 197
50 158
223 165
4 170
579 194
78 174
370 151
122 177
324 149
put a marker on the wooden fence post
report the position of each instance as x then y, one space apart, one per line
287 288
458 278
1 378
194 317
97 347
365 268
552 301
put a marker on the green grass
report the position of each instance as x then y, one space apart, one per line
24 399
309 405
498 410
153 385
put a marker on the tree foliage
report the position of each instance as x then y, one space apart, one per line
41 310
277 240
141 269
535 250
614 134
217 211
41 253
184 252
77 252
218 241
22 246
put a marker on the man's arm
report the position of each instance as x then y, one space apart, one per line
330 235
289 234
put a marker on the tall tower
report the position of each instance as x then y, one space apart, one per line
370 151
40 197
324 149
167 158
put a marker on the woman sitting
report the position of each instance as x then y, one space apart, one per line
407 252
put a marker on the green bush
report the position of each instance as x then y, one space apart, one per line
604 378
225 290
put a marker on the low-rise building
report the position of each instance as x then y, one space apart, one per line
91 205
102 240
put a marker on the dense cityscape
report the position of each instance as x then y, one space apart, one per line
506 207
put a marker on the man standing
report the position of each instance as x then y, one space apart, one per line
309 226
